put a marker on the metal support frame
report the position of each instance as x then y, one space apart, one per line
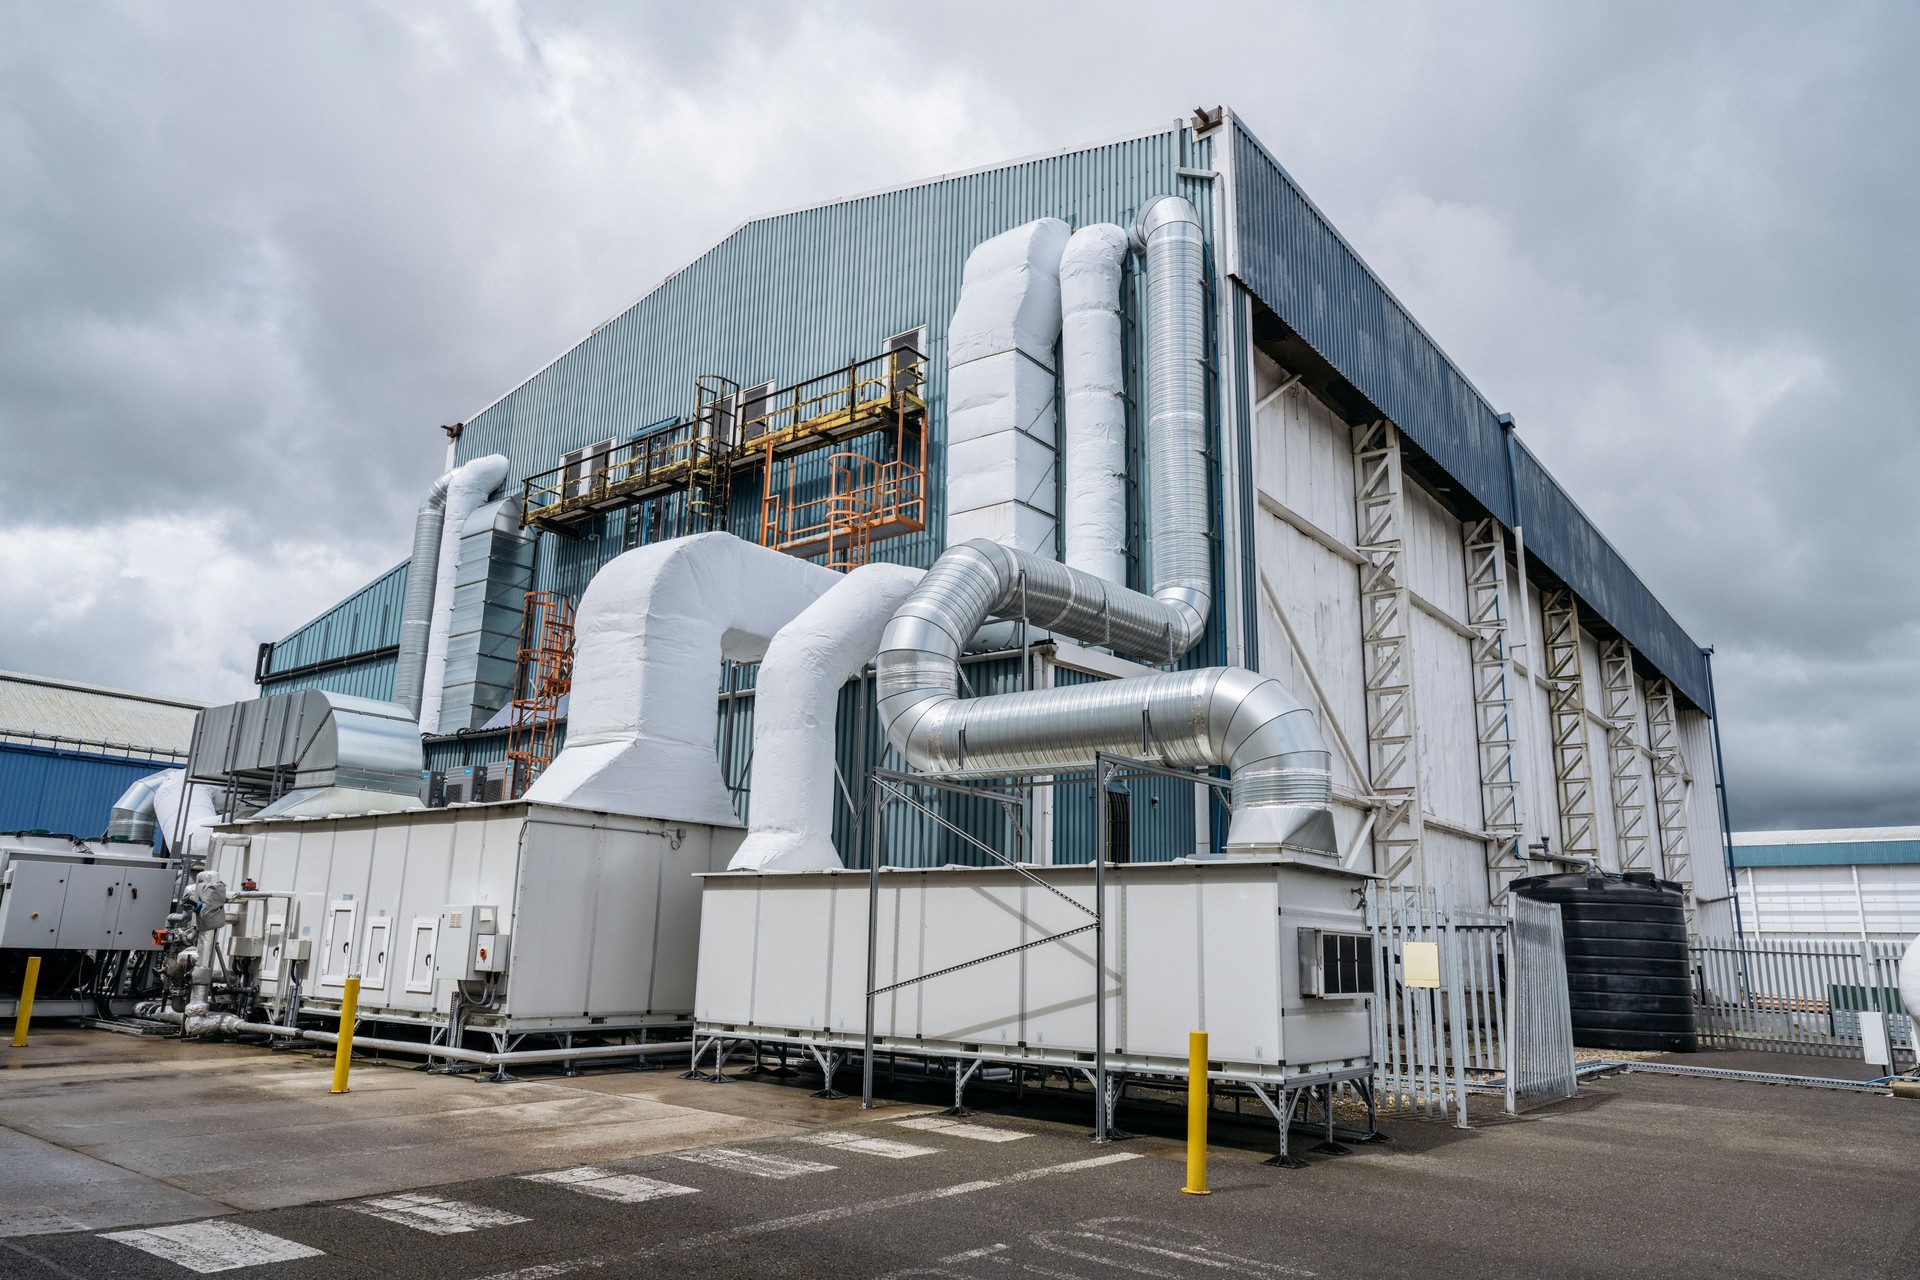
1567 718
1386 643
1622 711
1670 789
1487 614
889 786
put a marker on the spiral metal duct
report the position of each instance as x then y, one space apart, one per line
1282 784
416 611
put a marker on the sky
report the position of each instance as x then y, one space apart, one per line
252 256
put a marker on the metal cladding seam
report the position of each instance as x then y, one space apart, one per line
1282 781
416 613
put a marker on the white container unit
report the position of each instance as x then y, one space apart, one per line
576 919
1213 945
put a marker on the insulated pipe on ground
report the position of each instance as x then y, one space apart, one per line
795 709
230 1024
1093 445
468 486
416 611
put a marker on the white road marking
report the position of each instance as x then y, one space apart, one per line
621 1188
755 1163
207 1247
713 1239
435 1215
960 1129
886 1147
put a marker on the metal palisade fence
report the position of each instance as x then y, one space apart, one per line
1798 995
1467 1000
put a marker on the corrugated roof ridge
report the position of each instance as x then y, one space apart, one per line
1825 835
80 686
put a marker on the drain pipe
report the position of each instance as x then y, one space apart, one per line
468 486
795 791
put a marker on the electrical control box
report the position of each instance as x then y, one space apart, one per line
80 897
472 945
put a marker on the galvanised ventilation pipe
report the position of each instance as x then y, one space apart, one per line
1282 784
416 612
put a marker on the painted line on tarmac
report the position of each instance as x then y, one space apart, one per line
435 1215
712 1239
753 1163
961 1129
885 1147
211 1246
605 1184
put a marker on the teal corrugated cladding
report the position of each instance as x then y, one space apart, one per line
367 619
372 678
787 297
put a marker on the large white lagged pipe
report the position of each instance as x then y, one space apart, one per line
1001 436
795 704
1093 437
652 629
467 486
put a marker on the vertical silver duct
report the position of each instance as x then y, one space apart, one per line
1282 784
1179 551
416 613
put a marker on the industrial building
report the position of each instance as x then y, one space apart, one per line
1366 516
69 750
1857 883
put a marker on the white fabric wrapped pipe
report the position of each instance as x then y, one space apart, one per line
652 628
185 815
469 485
794 792
1000 384
1093 450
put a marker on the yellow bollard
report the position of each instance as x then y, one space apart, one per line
1197 1098
343 1047
26 1003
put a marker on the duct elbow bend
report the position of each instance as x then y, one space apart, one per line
1281 769
1157 216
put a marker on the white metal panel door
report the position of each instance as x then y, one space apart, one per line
93 903
373 960
420 953
144 899
337 944
30 909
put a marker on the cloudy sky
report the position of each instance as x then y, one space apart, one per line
251 256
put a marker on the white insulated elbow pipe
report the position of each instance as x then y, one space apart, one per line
795 706
651 631
468 486
1093 445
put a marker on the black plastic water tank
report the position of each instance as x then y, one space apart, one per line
1627 969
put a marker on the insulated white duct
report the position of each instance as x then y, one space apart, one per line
1093 438
185 814
795 706
416 611
468 486
652 629
1000 389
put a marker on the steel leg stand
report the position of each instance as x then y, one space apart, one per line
960 1078
1116 1085
830 1062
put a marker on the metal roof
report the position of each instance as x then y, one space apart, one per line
1829 847
91 717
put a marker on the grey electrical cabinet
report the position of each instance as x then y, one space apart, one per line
60 895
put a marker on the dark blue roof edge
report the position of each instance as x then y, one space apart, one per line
1377 345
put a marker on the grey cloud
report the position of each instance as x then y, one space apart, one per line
250 258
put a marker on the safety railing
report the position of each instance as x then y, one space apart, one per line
1797 995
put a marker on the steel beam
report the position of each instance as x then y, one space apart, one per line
1669 789
1567 720
1621 710
1487 615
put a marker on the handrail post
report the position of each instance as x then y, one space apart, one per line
1100 768
873 945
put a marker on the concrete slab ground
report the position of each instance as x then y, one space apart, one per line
1643 1175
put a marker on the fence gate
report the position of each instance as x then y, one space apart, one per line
1796 995
1541 1066
1467 1000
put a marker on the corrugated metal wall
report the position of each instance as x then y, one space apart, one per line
371 678
67 792
1291 257
367 619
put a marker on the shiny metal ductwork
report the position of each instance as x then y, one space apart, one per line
416 611
310 754
132 819
1282 783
